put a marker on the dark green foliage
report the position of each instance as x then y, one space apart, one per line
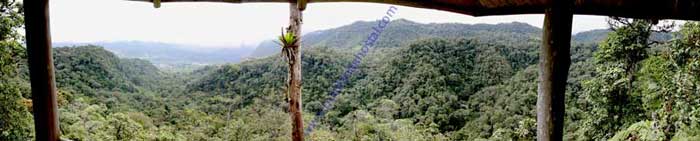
15 118
15 105
428 79
266 76
502 109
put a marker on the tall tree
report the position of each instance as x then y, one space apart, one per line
15 117
616 102
682 91
627 45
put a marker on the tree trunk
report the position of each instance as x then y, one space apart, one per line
294 84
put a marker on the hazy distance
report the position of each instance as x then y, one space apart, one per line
225 25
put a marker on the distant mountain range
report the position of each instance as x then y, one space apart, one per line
399 32
598 35
165 55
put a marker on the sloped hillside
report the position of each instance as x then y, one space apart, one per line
401 32
90 68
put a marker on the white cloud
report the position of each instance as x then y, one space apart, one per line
223 24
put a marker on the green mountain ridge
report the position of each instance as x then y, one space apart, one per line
401 31
89 68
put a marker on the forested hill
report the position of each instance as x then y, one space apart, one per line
438 83
401 31
592 36
91 68
443 88
598 35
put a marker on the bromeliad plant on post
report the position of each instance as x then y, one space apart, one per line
288 41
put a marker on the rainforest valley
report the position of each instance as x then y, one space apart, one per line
420 82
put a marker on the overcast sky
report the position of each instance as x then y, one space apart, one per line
224 24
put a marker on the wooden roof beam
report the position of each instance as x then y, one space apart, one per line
301 4
651 9
41 70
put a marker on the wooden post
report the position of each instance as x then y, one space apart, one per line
554 69
41 70
294 89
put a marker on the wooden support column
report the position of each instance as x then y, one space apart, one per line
41 70
294 84
554 70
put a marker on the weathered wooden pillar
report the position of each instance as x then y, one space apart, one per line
554 70
294 84
41 70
